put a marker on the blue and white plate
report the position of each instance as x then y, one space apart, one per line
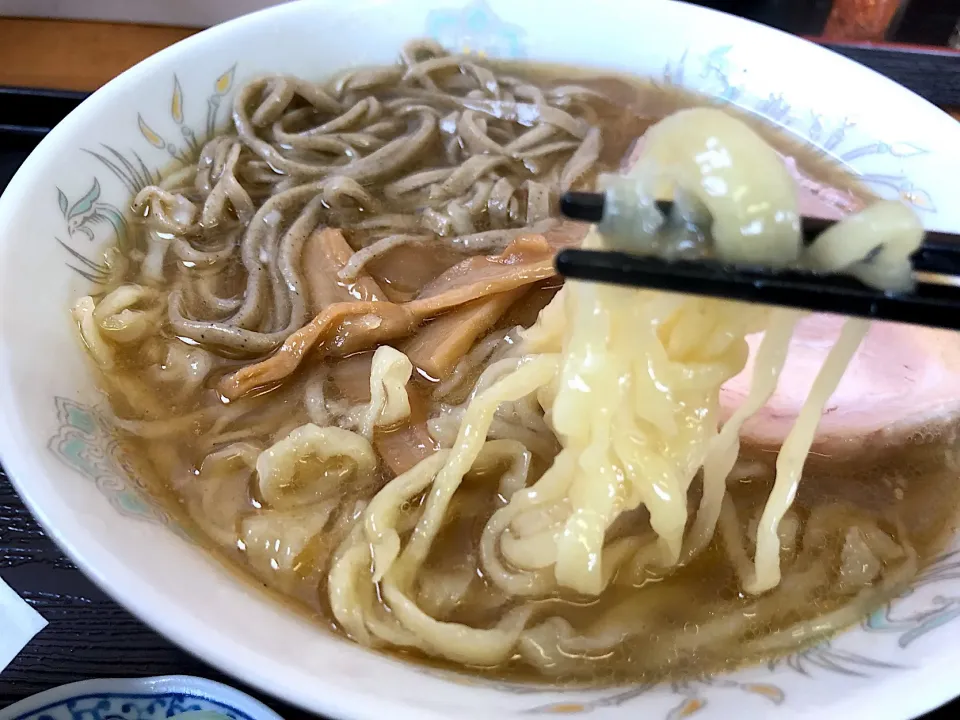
153 698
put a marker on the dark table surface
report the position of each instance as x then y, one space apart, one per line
88 635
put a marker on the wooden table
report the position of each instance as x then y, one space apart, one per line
88 635
75 55
84 55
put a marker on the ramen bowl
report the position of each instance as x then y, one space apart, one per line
67 202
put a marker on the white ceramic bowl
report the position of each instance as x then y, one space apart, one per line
57 445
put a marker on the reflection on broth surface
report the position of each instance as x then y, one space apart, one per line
339 351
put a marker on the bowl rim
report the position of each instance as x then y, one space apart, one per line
916 690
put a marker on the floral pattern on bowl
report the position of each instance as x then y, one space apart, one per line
156 698
87 443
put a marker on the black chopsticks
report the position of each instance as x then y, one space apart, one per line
929 304
939 254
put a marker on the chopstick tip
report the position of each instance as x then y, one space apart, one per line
585 206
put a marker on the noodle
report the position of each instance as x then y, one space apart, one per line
618 407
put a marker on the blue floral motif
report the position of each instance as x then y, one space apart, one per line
106 225
475 29
99 222
86 442
130 706
914 626
940 609
824 656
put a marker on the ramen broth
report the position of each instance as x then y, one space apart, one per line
907 488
